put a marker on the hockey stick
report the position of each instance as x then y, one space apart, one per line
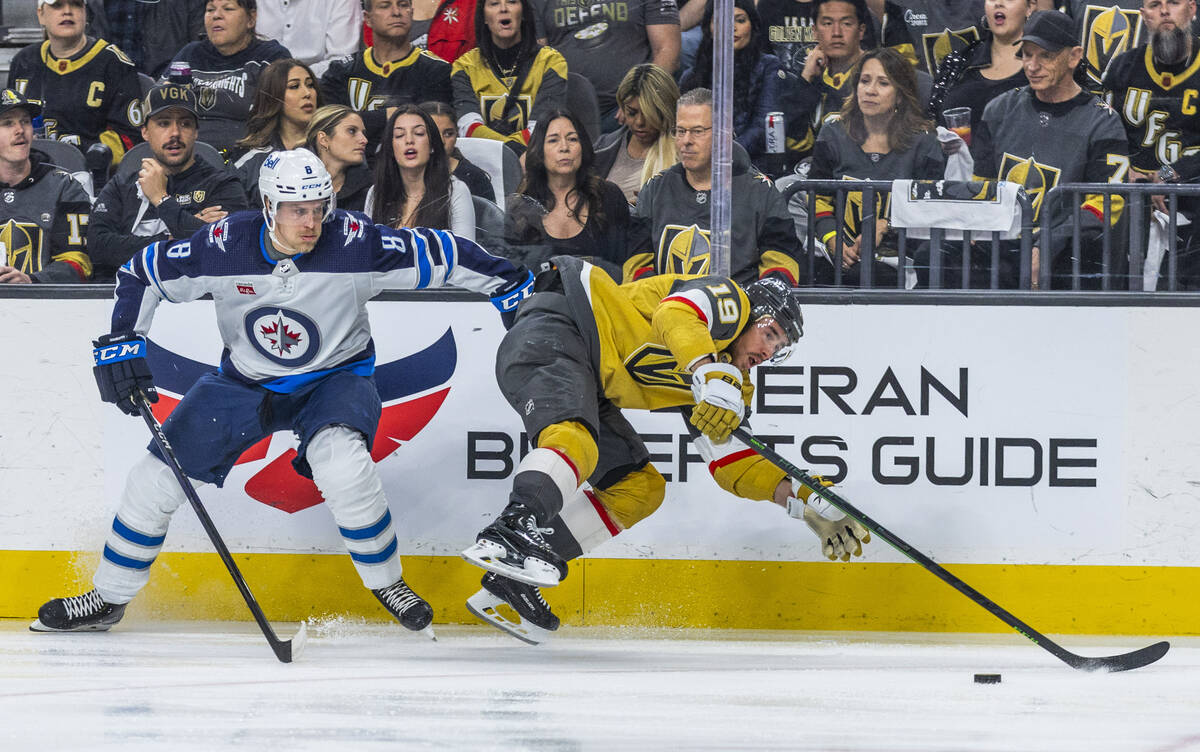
1122 662
285 650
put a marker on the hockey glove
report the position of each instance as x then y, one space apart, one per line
121 370
840 535
717 389
507 298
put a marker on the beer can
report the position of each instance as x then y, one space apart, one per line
776 138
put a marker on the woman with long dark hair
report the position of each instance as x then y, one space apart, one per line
508 82
413 186
755 74
881 134
974 76
445 117
337 136
286 99
562 206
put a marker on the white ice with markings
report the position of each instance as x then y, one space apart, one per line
206 686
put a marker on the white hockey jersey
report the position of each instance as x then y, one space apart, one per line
287 323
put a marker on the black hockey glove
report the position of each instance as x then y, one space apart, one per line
121 370
507 298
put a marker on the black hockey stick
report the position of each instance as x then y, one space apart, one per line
1123 662
285 650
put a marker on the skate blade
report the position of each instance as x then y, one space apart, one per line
38 626
428 632
490 556
484 606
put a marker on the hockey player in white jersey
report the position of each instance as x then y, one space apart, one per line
303 267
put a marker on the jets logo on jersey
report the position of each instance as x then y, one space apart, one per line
683 249
654 365
217 233
1037 178
412 389
353 229
283 336
1107 32
937 46
493 105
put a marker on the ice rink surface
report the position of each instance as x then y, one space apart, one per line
206 686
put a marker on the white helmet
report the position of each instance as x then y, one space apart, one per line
296 175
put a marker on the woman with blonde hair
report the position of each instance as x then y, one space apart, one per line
643 146
337 136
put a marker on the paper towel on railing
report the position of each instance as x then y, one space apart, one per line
979 207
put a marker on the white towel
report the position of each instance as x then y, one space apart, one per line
956 207
960 165
1156 247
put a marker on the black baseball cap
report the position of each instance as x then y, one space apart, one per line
11 99
171 96
1050 30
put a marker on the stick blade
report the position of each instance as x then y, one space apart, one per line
288 650
1125 661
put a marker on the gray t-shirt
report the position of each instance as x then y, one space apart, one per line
626 173
604 39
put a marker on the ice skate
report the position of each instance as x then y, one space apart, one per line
410 609
535 621
80 613
513 546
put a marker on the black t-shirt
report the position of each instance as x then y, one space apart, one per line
610 241
975 91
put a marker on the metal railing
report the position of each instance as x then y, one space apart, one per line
1114 261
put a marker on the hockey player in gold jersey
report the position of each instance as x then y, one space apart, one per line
582 349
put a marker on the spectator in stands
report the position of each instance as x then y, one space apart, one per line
445 117
43 211
389 73
755 75
566 207
644 145
336 134
451 30
881 134
508 81
601 45
675 203
1051 132
824 82
170 196
315 31
149 33
929 29
88 87
1160 77
790 26
413 185
1104 29
987 68
286 99
226 67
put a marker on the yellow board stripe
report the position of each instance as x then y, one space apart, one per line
1106 600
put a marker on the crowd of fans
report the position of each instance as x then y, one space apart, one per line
390 93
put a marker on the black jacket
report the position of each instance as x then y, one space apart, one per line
123 222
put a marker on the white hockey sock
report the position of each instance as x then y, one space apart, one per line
346 476
587 521
151 496
544 481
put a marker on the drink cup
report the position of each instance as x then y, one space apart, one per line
958 120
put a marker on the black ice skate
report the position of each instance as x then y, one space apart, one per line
410 609
80 613
513 546
535 621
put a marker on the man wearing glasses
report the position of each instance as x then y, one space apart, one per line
675 203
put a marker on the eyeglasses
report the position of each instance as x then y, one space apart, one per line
694 132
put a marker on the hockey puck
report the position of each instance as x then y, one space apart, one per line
987 678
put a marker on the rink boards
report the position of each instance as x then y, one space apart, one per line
1046 454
